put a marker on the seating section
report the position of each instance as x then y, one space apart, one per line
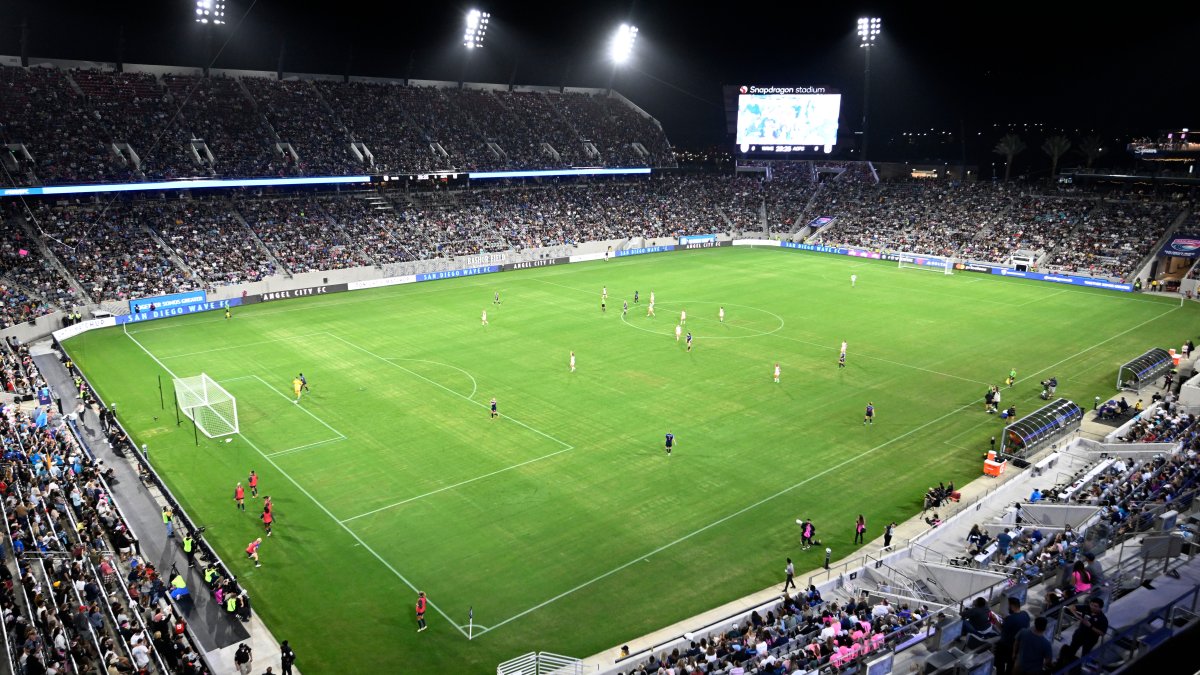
210 238
217 110
78 596
1078 234
300 117
108 251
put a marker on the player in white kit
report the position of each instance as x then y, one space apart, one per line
683 317
678 332
721 315
777 372
572 362
483 318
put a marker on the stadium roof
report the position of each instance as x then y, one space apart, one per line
932 68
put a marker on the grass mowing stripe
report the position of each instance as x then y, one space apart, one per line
306 446
445 388
735 514
776 333
242 346
317 503
458 484
302 408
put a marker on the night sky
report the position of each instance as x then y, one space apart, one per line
1122 74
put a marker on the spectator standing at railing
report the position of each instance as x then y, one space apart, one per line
1093 624
287 657
1016 621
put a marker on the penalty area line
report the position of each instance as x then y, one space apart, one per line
319 505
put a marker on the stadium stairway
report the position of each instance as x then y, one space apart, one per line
218 635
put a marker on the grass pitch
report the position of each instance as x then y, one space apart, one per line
563 523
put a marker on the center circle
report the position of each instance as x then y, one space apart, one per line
704 313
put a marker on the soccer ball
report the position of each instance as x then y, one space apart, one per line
228 440
799 522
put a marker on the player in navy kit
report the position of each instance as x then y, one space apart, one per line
869 415
689 341
670 442
494 412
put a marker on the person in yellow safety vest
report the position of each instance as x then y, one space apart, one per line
178 587
189 549
231 604
210 576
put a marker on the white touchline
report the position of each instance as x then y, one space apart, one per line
739 512
793 487
316 502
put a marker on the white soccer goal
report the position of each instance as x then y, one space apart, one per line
926 263
206 403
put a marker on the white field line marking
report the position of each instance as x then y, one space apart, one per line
458 484
306 412
447 389
371 297
739 512
306 447
1043 297
474 384
357 538
316 502
793 487
248 344
784 337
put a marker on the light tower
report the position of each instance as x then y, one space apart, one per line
475 27
868 30
621 49
210 11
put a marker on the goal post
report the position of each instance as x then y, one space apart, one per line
206 403
927 263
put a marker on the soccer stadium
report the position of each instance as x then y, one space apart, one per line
480 366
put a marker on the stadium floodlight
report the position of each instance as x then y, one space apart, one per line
622 43
868 30
476 28
210 11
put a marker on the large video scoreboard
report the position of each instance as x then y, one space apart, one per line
781 120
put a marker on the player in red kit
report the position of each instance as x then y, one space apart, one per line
421 602
253 481
239 496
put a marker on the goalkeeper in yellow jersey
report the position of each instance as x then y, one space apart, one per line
297 384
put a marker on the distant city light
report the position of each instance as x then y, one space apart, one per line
210 11
622 44
476 28
868 30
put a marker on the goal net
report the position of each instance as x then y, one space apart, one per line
927 263
206 403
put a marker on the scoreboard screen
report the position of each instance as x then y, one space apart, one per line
777 120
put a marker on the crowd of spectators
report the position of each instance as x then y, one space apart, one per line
804 634
107 250
42 111
21 262
300 235
136 110
301 118
82 599
374 227
209 237
1080 234
75 124
217 111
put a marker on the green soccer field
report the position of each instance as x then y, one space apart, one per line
563 523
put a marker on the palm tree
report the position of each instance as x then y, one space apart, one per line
1056 147
1010 146
1091 148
